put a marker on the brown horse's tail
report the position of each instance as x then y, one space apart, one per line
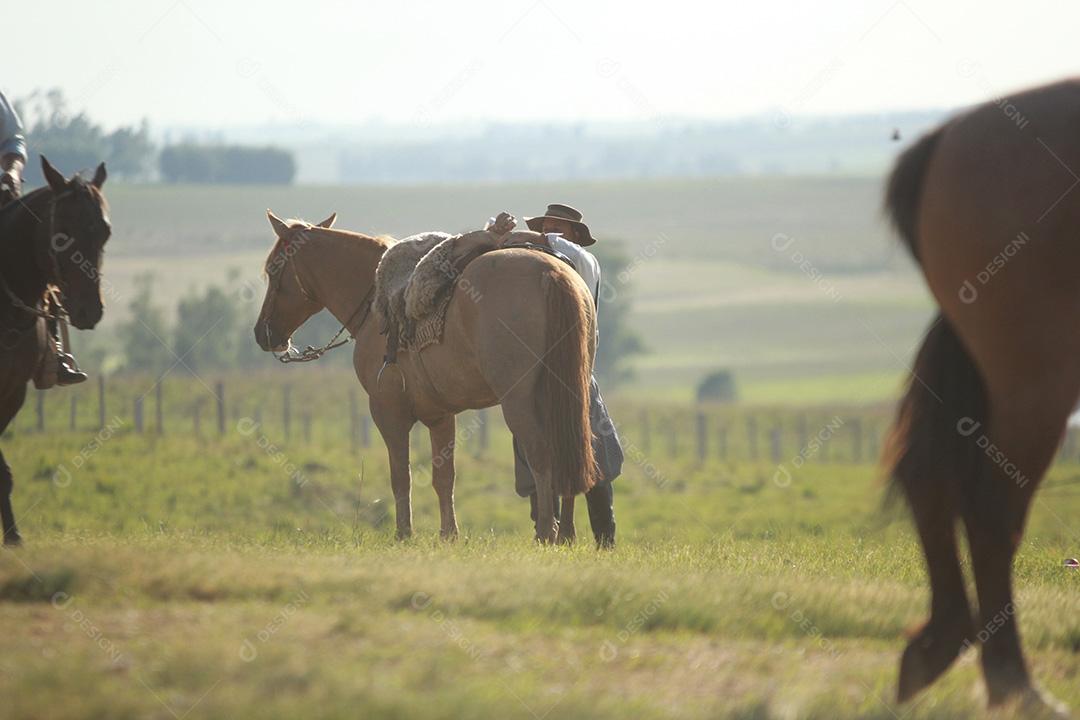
933 440
945 401
904 190
563 398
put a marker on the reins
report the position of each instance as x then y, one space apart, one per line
310 353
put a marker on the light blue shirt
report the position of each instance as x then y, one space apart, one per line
584 262
12 139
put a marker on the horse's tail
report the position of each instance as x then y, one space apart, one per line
566 369
904 190
945 400
943 406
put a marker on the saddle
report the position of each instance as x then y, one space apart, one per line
416 277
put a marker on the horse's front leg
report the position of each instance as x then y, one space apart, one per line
394 428
7 515
442 473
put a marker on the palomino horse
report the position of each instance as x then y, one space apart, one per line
988 206
526 342
53 236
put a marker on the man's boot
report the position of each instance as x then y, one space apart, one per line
67 370
601 502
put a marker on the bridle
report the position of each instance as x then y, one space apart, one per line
310 353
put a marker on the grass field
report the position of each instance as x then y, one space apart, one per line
221 577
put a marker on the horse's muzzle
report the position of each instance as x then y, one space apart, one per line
86 318
265 340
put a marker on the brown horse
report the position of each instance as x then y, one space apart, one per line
988 206
52 237
525 340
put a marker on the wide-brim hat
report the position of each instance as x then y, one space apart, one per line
570 215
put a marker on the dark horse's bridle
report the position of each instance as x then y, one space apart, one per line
309 353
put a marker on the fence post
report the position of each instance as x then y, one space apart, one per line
856 440
286 408
101 402
138 413
824 438
646 432
41 410
752 436
483 434
219 392
353 421
702 439
159 411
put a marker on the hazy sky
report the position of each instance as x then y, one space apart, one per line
221 63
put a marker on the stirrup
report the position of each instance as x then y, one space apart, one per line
387 363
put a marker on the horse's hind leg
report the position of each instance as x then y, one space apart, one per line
1025 428
7 515
938 643
442 473
567 529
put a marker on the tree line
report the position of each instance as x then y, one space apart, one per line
73 141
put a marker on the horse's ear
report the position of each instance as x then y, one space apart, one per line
99 176
277 223
329 222
52 176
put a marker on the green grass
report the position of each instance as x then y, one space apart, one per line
176 575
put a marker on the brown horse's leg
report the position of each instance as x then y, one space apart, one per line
7 515
547 527
567 531
442 473
1025 429
394 426
538 455
939 642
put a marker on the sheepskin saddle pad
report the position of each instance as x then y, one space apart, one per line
415 281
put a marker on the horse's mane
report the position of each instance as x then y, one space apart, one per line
299 224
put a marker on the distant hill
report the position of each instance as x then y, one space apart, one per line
409 154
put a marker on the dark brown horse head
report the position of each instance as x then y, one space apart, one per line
78 227
288 304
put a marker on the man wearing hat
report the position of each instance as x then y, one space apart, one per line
564 232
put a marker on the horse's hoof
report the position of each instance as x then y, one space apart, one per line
404 534
929 653
449 535
565 538
12 539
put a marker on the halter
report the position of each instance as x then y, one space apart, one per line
310 353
